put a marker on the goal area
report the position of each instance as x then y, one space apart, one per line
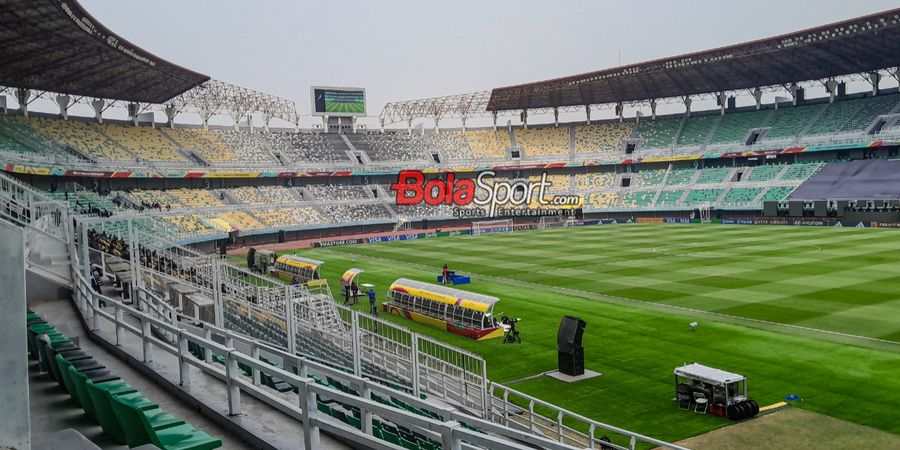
547 222
492 226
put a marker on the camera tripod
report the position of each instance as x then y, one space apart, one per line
512 334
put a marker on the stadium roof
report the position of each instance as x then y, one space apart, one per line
55 45
853 46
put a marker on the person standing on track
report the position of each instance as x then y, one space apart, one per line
372 307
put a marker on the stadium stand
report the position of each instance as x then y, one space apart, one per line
741 196
594 180
325 192
603 137
391 146
489 144
699 196
292 216
637 199
144 142
306 148
241 220
454 144
712 175
658 133
602 200
777 193
696 130
83 137
248 147
790 121
649 177
203 143
669 198
765 173
734 127
681 176
545 141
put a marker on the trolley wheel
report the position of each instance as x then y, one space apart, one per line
755 407
732 412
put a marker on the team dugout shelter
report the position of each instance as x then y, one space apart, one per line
460 312
290 267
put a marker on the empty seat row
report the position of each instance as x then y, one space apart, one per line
125 416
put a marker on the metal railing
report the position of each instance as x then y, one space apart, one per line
452 429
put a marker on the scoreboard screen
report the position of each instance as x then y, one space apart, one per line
328 101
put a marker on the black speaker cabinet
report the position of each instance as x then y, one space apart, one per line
795 208
568 338
572 364
770 209
820 207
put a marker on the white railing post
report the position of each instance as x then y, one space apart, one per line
531 416
414 355
119 327
448 440
365 414
591 431
95 318
308 413
254 353
354 333
234 390
207 354
289 321
145 340
184 368
632 443
559 426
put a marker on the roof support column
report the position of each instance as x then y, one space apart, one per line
524 117
757 95
22 96
437 124
464 122
494 115
236 116
171 112
831 88
620 111
63 101
266 118
133 111
409 126
381 123
556 117
687 105
895 73
98 106
204 117
874 78
587 114
794 90
723 102
653 108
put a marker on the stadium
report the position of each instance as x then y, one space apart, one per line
696 251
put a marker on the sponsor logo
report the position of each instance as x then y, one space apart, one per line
486 195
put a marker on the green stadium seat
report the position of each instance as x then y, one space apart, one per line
80 380
101 397
139 418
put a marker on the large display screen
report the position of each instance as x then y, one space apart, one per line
338 101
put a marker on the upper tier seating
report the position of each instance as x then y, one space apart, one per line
84 137
546 141
16 136
790 121
658 133
241 220
203 143
189 223
696 130
489 144
347 213
309 147
146 143
604 137
733 127
558 182
801 171
391 146
853 115
594 180
453 144
263 195
247 147
273 218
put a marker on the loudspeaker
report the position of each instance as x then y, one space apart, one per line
770 208
820 208
795 208
568 338
572 364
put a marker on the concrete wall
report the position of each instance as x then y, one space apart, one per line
14 415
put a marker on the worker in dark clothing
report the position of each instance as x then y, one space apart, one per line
346 295
445 272
355 288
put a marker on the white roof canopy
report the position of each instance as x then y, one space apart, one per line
708 374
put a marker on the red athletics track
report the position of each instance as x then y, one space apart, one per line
306 243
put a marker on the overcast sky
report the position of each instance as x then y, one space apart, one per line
402 49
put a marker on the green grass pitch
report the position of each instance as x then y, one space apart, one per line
344 107
759 293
